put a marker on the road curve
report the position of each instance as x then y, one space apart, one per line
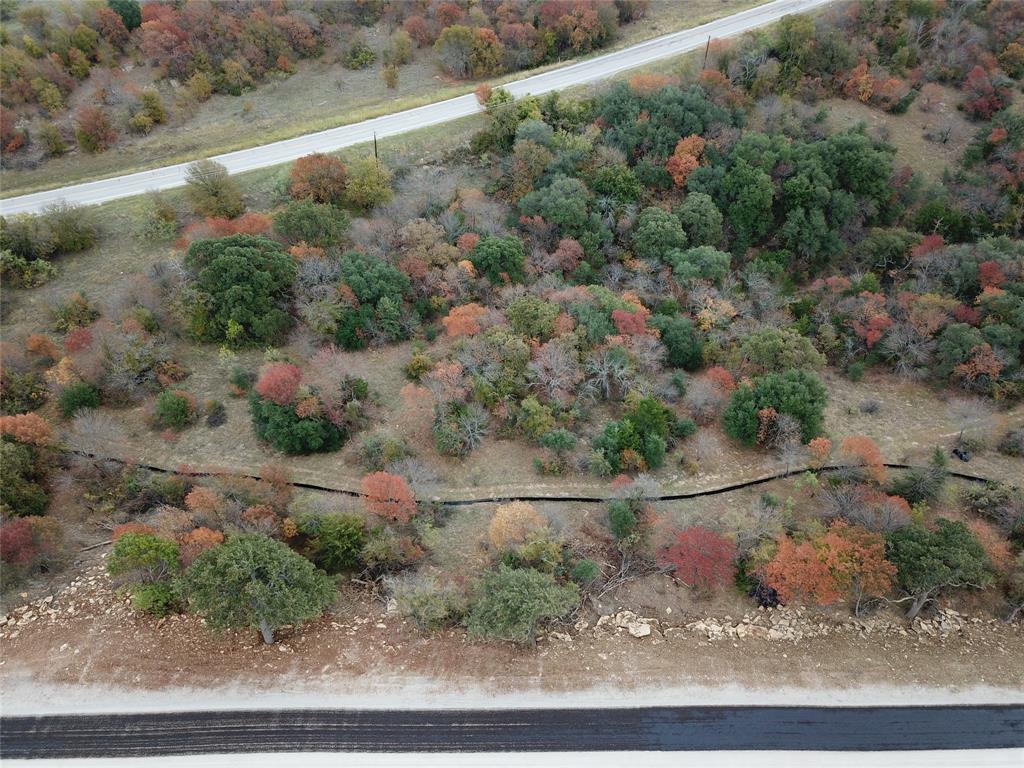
588 71
515 730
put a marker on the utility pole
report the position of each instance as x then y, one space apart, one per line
375 155
707 48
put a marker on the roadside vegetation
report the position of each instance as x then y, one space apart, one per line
621 287
90 92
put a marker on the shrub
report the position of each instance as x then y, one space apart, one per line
27 428
514 523
17 547
286 431
336 541
139 558
76 397
93 130
316 224
174 409
388 496
76 312
254 581
211 191
197 541
511 602
585 572
359 55
278 382
429 604
369 184
1012 443
320 178
378 451
71 228
797 393
701 558
155 599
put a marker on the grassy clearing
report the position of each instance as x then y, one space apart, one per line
321 95
907 132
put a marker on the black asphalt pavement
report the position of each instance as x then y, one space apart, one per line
512 730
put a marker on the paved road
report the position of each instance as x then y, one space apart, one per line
522 730
589 71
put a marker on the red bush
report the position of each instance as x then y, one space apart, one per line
701 557
17 546
279 382
389 497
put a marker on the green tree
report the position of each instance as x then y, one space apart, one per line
316 224
618 182
495 257
21 476
243 283
211 191
701 219
454 48
372 279
286 431
751 193
565 203
928 561
657 233
369 184
681 339
701 263
798 393
129 10
254 581
533 317
777 349
510 602
78 396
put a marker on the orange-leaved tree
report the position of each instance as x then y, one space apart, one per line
846 562
318 177
389 496
864 452
514 523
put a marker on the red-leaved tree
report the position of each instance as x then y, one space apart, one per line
702 558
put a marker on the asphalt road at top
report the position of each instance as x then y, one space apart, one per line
589 71
515 730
